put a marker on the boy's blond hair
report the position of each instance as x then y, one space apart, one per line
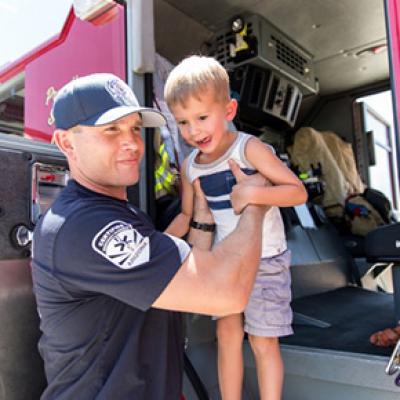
193 76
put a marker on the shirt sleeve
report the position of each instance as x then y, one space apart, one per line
116 253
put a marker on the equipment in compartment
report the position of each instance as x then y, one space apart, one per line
262 44
264 95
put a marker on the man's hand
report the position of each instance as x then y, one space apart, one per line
241 192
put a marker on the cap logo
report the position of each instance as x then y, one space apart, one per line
120 92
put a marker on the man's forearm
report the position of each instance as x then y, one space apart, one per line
218 282
240 251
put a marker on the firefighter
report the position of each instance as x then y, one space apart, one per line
104 279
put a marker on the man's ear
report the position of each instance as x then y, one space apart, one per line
231 109
62 139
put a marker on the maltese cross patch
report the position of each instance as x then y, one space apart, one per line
121 244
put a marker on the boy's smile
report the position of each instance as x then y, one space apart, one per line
203 143
203 123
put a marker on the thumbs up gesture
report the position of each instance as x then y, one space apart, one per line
242 192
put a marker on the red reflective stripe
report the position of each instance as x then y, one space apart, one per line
35 134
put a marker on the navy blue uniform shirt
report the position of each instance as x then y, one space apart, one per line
98 266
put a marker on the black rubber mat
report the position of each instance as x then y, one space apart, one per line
353 314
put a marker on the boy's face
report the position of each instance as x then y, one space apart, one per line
203 121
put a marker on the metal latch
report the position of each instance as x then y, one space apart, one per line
22 236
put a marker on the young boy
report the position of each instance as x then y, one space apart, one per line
197 92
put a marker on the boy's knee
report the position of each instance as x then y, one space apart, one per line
229 333
263 345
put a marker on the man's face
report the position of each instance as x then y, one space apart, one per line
106 158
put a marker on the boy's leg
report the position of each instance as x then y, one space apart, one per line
269 366
230 356
268 316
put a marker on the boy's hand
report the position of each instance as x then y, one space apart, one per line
241 192
201 211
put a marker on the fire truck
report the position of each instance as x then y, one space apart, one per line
293 66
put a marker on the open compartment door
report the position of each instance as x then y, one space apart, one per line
393 33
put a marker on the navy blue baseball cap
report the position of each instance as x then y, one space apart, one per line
99 99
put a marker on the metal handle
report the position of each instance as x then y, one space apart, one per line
394 362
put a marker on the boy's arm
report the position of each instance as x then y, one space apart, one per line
286 190
179 227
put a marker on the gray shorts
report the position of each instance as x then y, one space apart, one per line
268 311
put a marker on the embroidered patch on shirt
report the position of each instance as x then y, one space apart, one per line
122 244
